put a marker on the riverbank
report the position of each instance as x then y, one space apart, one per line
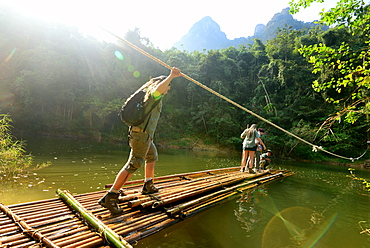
198 144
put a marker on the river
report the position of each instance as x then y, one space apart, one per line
320 206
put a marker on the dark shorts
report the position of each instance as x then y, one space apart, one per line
253 149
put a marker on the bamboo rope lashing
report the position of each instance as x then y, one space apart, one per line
315 148
107 233
26 228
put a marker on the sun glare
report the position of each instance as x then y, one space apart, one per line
85 15
44 10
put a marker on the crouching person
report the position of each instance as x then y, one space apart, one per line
265 159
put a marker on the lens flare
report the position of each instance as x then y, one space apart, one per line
11 54
136 74
131 68
293 226
118 54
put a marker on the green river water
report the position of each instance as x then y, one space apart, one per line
319 201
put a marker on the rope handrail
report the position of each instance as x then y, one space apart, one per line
315 148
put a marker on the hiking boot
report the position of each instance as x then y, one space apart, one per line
251 171
242 169
149 188
110 201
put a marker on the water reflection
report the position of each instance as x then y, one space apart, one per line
247 212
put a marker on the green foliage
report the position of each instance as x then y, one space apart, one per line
64 83
342 59
13 160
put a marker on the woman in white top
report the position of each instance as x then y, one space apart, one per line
249 147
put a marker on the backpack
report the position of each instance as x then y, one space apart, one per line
135 109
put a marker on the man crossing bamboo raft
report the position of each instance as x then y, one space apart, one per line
141 142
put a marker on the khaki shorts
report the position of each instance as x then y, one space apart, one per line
142 150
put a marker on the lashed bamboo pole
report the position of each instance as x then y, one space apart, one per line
174 186
72 230
180 175
181 207
89 242
22 205
25 244
141 224
112 237
146 201
9 229
179 193
75 238
207 204
93 242
26 228
160 226
146 220
54 220
37 218
192 209
4 240
60 225
201 190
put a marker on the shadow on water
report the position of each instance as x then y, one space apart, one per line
317 207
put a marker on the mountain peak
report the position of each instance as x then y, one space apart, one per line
204 34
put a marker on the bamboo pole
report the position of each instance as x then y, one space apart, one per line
181 207
19 236
25 244
78 237
90 242
200 206
26 228
160 226
181 175
106 232
175 187
201 190
142 224
146 201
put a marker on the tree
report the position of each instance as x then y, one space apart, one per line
343 68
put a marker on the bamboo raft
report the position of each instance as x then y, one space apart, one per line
79 221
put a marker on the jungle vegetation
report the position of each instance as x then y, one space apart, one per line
313 83
15 162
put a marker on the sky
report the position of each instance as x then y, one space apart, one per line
164 22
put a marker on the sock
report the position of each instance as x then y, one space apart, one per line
147 179
113 190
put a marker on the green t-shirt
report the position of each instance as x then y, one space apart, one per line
151 121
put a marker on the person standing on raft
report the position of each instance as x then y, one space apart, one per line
142 146
249 147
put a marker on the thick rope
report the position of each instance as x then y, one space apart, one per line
315 148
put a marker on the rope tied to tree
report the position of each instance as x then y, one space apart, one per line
315 148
